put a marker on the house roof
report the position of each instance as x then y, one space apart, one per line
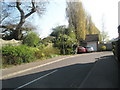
92 37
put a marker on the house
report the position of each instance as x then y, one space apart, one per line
92 41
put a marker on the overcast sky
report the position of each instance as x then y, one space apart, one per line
55 15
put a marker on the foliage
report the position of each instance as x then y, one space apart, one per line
49 51
46 52
80 21
14 55
65 44
103 48
76 17
90 26
16 14
32 39
104 38
58 30
65 39
41 46
47 40
17 54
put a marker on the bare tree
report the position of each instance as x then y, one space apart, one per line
104 35
20 11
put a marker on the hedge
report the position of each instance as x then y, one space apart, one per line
13 55
17 54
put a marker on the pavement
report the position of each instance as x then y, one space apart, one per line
91 70
15 70
105 74
9 72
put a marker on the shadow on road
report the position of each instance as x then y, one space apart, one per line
66 77
104 74
71 76
119 73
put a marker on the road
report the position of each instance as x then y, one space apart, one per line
69 73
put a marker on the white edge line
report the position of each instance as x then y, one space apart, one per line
32 68
36 79
9 75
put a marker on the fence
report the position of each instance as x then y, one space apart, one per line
10 42
116 49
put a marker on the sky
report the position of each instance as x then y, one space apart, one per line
106 9
55 15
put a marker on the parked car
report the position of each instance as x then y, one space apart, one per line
81 49
89 49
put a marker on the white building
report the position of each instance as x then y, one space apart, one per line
92 41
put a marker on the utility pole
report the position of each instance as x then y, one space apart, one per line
63 40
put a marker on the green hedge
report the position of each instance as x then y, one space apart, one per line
17 54
13 55
48 52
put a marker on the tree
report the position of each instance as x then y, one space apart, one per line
103 35
23 11
76 17
57 31
80 20
9 30
32 39
90 26
64 39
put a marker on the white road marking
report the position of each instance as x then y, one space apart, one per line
35 80
22 71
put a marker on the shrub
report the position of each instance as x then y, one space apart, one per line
17 54
47 52
50 51
41 46
103 48
65 44
69 51
32 39
39 54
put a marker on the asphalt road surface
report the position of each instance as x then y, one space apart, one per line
68 73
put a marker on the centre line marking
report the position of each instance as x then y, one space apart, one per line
35 80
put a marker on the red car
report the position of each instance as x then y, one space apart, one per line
81 49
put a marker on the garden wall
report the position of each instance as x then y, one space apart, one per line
12 42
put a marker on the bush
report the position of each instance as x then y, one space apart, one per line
103 48
32 39
47 52
41 46
39 54
65 44
17 54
